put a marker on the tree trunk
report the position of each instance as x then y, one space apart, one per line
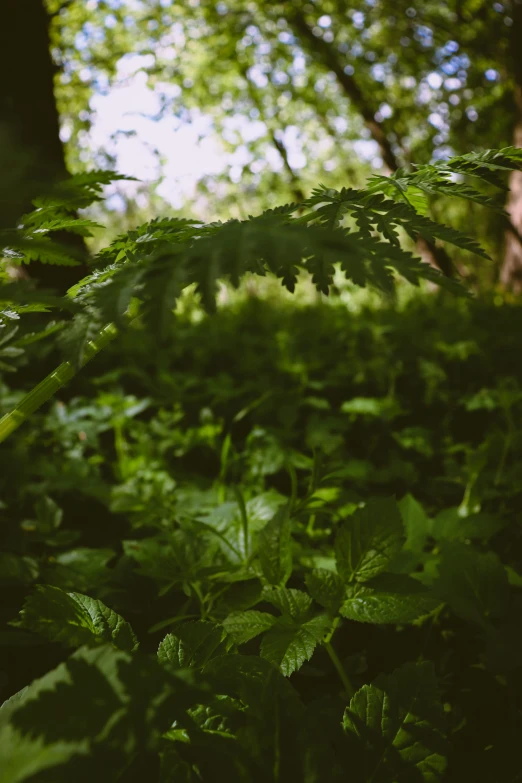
511 272
31 152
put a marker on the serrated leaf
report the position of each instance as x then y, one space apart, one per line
388 598
289 644
326 587
193 645
79 226
275 548
474 584
368 540
106 705
289 601
29 248
75 339
243 626
399 724
74 619
114 296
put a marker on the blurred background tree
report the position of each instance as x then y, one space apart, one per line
31 152
289 95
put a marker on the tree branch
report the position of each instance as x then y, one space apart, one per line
278 143
351 89
326 54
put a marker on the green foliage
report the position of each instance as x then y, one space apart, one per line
474 584
388 598
275 552
400 722
74 619
99 699
283 503
145 271
368 540
193 645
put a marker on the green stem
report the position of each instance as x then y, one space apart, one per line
50 385
503 457
293 482
506 446
199 595
468 490
225 449
348 687
244 518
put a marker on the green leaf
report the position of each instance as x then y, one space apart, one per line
273 726
171 559
450 525
15 569
368 540
388 598
326 587
107 706
417 528
240 596
275 552
291 602
243 626
416 524
74 340
49 514
79 569
193 645
514 578
289 644
214 716
399 724
79 226
473 584
74 619
371 406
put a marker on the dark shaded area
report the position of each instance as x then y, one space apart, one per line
31 153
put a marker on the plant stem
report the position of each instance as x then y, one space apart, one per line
348 687
50 385
506 446
244 518
293 481
501 465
